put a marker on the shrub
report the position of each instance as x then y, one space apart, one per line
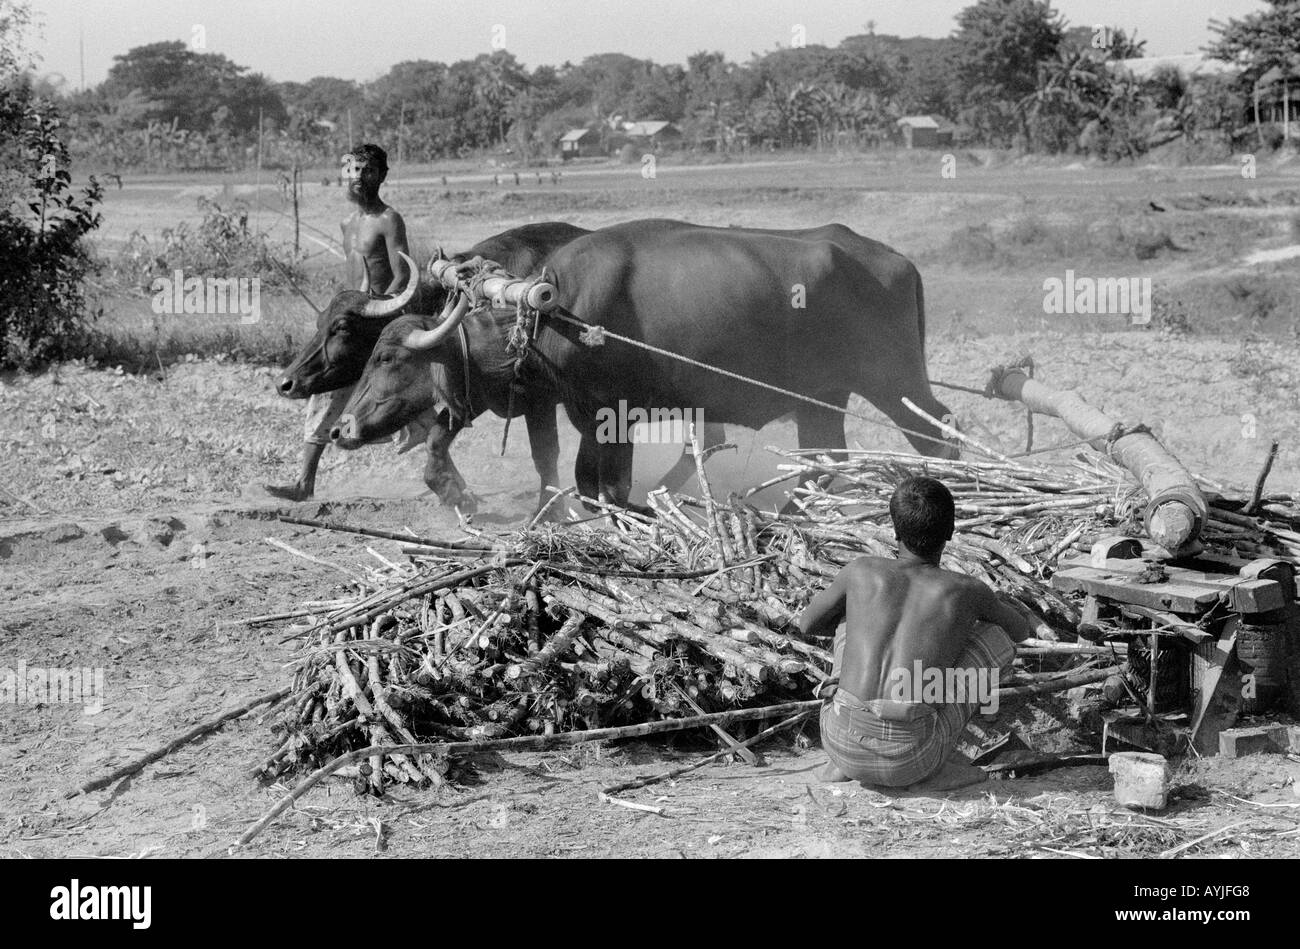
43 260
222 245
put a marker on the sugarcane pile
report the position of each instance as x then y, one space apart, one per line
558 628
1013 520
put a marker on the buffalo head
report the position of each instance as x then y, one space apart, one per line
346 332
404 377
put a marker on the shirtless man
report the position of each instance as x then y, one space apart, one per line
896 614
373 236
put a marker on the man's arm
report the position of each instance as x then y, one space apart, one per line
990 608
395 241
826 609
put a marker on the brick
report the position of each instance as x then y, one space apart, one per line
1239 742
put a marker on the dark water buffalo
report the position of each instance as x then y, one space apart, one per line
346 335
823 312
445 386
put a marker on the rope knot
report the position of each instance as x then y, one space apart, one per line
1120 430
592 336
993 388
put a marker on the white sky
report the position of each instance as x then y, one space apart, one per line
356 39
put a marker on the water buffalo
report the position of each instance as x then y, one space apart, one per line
337 355
824 312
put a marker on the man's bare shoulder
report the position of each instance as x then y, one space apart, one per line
389 220
869 568
968 585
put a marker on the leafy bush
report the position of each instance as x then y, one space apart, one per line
222 245
43 260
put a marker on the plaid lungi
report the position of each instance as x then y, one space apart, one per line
893 743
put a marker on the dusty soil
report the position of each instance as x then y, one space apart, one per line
133 538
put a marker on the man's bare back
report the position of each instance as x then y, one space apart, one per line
898 612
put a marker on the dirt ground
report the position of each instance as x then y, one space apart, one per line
133 528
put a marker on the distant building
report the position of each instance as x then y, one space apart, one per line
579 143
652 134
922 131
1278 94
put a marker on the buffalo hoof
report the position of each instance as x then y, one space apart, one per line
461 501
290 492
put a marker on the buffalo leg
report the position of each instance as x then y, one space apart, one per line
616 475
818 427
544 444
925 438
586 469
440 472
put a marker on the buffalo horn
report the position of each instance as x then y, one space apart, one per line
389 307
428 339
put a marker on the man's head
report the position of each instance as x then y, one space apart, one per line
364 170
923 514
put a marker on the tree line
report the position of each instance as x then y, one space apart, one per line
1013 73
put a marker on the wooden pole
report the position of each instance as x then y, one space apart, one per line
294 184
1176 509
257 221
1257 495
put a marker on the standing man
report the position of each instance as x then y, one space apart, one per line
906 620
373 236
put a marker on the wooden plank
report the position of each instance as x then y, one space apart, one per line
1245 594
1209 664
1175 597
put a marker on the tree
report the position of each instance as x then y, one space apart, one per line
1260 41
999 46
1105 42
15 17
43 258
501 78
713 99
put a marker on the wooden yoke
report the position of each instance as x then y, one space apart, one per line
500 288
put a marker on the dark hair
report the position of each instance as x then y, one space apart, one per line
371 155
923 514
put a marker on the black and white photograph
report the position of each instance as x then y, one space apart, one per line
691 429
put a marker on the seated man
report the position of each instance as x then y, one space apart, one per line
905 620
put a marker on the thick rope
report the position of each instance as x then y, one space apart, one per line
594 335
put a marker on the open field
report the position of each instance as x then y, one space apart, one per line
130 535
